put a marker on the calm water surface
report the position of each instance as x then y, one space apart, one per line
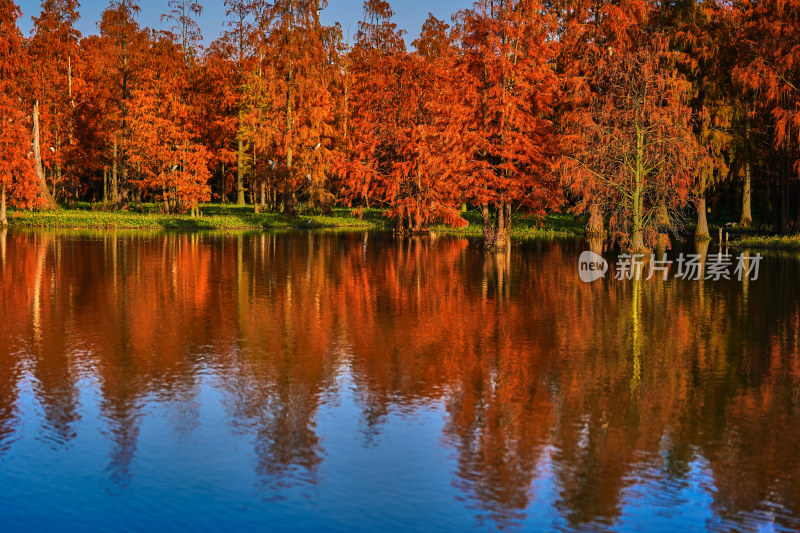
355 382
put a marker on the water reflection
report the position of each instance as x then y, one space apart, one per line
557 395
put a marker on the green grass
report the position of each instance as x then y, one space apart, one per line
229 218
554 225
214 217
768 243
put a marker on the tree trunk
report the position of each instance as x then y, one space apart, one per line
497 228
701 232
488 227
637 242
595 226
637 233
115 177
222 197
240 201
3 217
418 223
747 213
288 201
44 193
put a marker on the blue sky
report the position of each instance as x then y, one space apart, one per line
409 14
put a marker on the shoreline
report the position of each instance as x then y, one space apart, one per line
785 243
215 218
218 217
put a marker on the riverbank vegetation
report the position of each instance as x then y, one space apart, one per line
641 118
214 217
764 242
230 217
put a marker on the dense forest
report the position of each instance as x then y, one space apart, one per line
640 115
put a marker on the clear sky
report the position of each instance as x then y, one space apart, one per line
409 14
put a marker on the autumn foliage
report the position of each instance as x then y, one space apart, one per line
634 114
17 182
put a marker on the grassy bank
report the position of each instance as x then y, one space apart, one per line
227 217
555 225
214 217
791 243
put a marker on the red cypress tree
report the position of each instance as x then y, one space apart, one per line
123 47
768 68
163 140
638 152
379 46
292 119
17 178
402 141
509 89
55 55
239 44
218 108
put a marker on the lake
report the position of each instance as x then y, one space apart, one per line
361 382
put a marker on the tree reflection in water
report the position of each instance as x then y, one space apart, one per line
590 388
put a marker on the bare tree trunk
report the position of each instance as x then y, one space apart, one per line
488 227
637 243
701 232
222 196
747 213
3 217
288 201
637 235
114 177
256 202
497 229
165 198
240 201
49 203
